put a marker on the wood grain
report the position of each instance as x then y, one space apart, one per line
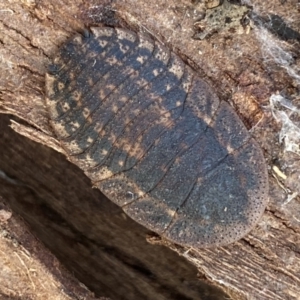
263 265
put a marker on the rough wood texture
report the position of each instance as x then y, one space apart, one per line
89 234
28 269
245 72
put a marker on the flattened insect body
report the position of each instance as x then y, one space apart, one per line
155 139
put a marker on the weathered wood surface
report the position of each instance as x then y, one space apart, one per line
88 233
28 270
263 265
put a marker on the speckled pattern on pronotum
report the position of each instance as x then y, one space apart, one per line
154 137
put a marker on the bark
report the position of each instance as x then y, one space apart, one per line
28 270
263 265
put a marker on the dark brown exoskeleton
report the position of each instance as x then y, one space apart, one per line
155 138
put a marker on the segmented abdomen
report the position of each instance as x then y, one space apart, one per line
155 139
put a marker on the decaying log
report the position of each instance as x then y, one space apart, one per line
28 269
248 65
